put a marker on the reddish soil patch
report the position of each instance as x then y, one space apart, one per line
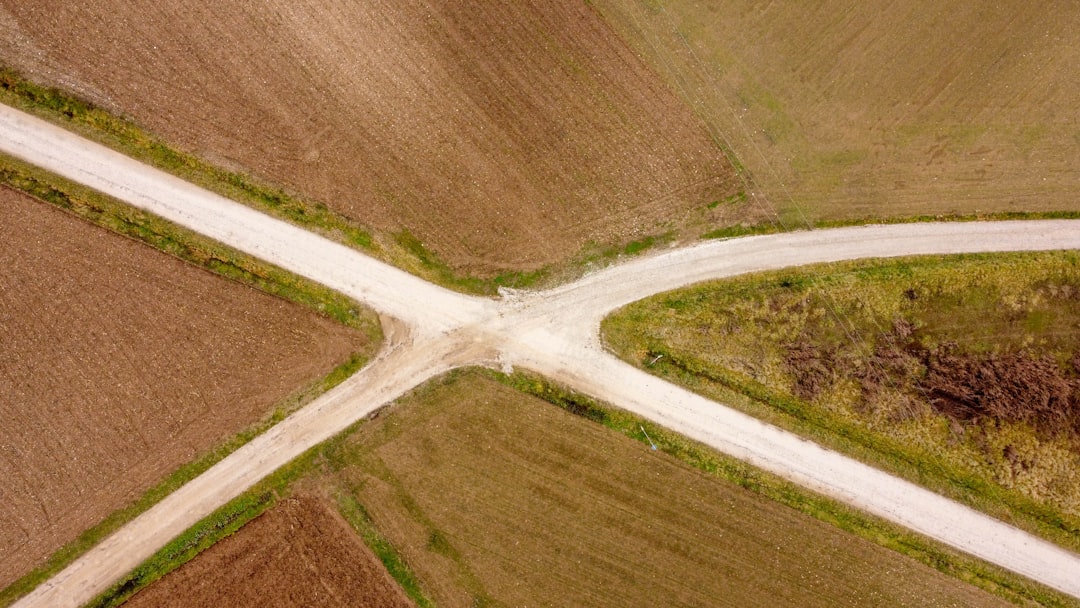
503 135
118 364
1011 386
300 553
1014 387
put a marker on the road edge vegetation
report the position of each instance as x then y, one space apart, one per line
775 407
401 249
229 518
993 579
216 258
776 228
265 494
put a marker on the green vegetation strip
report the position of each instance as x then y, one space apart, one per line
218 525
358 517
186 245
189 246
125 136
249 505
993 579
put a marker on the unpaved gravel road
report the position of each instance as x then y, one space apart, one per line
553 332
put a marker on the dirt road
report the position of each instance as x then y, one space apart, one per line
553 332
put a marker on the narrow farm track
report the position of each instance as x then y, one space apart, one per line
553 332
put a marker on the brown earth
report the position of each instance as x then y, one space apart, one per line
503 135
300 553
1010 386
848 109
118 364
498 498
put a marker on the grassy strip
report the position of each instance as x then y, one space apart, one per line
775 227
185 244
222 523
249 505
993 579
124 135
218 525
361 522
402 249
161 234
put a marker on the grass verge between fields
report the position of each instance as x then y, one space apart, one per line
249 505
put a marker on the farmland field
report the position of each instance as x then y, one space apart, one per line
300 553
502 137
848 109
494 497
961 372
122 363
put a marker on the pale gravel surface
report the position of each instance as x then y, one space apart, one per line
553 332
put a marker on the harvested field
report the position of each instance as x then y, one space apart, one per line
846 109
120 364
962 372
498 498
502 136
300 553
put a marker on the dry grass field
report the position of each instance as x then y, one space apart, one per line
300 553
121 363
845 109
496 498
504 136
961 372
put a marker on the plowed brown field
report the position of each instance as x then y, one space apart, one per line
118 364
848 109
504 135
300 553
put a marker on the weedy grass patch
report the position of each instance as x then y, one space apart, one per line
857 356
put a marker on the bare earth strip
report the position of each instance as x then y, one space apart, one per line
121 364
552 332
